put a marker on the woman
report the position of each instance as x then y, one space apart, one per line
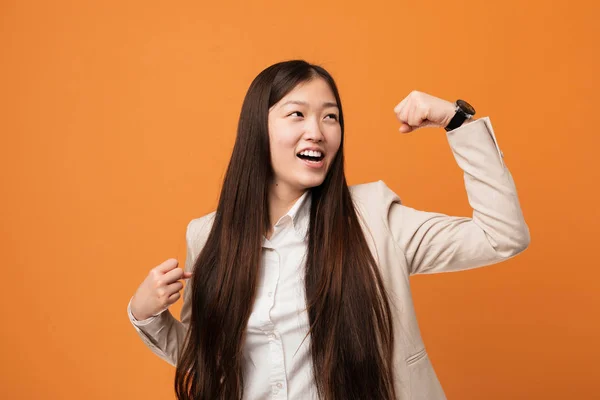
300 284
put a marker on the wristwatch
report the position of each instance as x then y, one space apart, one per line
464 111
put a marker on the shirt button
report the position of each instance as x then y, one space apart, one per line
271 336
280 385
270 294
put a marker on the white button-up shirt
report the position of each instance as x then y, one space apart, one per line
278 363
278 359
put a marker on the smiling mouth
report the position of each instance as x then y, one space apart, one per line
310 158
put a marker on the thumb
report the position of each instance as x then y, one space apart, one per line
187 274
405 128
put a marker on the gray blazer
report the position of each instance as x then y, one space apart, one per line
404 241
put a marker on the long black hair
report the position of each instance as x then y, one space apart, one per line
351 334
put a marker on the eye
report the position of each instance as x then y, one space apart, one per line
335 117
296 112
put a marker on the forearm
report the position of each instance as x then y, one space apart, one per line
490 187
163 334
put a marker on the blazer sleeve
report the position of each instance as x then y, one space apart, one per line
434 242
163 333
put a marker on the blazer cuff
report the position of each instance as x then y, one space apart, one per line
467 133
136 322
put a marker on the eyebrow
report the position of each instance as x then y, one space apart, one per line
303 103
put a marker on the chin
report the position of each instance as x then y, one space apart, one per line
310 182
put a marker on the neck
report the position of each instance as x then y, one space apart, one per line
281 199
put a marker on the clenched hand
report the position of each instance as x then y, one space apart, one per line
159 290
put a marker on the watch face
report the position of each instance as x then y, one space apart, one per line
466 107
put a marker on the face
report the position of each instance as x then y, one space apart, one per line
306 118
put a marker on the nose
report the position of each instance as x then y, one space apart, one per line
313 131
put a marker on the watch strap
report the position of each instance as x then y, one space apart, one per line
459 117
464 111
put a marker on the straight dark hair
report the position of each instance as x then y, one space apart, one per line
351 333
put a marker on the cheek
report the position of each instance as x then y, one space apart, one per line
282 151
282 148
334 142
283 141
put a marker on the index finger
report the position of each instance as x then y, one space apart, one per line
167 265
398 108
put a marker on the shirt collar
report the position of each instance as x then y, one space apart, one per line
299 214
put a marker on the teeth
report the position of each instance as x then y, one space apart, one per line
311 153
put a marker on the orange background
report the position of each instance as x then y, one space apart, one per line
117 122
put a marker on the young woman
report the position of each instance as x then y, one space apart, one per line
299 284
